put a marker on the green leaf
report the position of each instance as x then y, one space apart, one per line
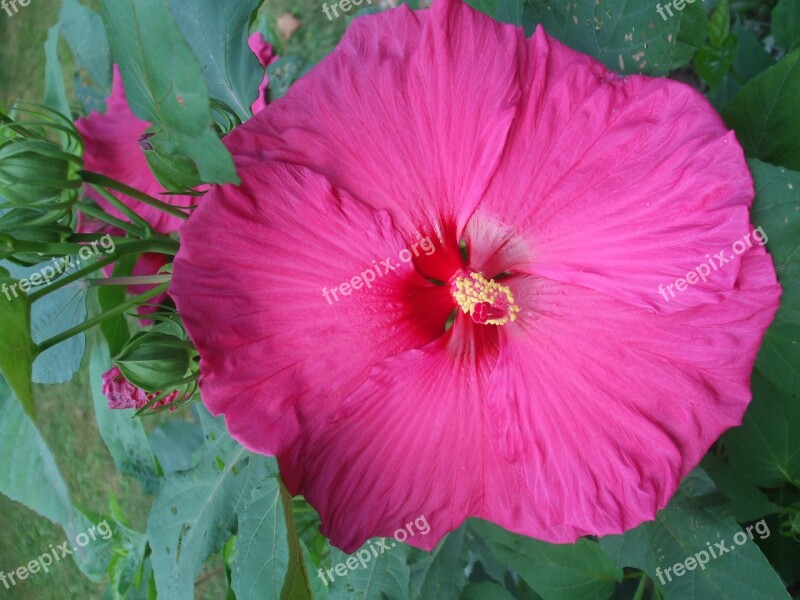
182 163
554 571
55 95
31 477
261 557
195 511
164 83
218 35
214 162
56 312
713 63
786 24
777 212
782 551
719 26
486 590
441 574
480 552
505 11
59 311
123 434
779 358
630 37
283 73
83 28
175 444
694 521
766 447
296 585
16 346
751 59
127 560
376 571
692 34
747 501
765 117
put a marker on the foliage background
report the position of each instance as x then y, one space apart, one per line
755 470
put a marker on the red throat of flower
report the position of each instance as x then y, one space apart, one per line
486 301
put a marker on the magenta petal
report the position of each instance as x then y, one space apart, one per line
266 55
410 113
250 282
261 48
600 409
408 443
619 184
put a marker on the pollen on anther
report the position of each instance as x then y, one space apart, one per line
485 300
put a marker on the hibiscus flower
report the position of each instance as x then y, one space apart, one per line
121 394
567 397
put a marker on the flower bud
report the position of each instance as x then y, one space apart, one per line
36 172
122 394
172 169
154 361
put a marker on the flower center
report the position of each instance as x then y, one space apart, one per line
487 302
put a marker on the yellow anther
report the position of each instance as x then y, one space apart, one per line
485 300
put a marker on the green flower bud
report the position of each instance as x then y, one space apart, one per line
155 361
34 173
173 170
7 244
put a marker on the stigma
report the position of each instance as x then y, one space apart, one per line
485 300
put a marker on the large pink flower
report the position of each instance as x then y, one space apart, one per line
568 397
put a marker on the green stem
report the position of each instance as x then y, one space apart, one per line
642 587
67 279
132 247
96 179
83 238
150 279
11 124
93 210
123 208
44 248
117 310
